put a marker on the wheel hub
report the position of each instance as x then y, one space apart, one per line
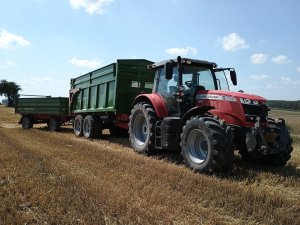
140 129
197 145
86 128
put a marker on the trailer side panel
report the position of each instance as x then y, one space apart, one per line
110 89
58 106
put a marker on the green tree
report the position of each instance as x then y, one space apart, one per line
9 89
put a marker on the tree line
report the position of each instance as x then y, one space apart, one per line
10 90
283 104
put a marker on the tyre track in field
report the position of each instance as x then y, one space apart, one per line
132 183
107 182
34 193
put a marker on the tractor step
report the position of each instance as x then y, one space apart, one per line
165 133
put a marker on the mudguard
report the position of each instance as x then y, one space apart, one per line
157 102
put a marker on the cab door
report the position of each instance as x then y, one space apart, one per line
167 89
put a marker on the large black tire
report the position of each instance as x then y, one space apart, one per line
286 144
78 126
283 147
27 122
142 128
54 124
91 127
206 146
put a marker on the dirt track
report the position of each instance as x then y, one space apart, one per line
48 177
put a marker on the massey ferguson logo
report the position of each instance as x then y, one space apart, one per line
215 97
249 101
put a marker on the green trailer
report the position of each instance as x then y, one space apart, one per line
51 110
103 98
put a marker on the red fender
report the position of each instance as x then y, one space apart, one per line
156 100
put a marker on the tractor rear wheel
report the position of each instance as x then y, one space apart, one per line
142 128
206 146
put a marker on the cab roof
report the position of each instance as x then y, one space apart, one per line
184 61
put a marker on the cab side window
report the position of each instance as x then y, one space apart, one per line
167 89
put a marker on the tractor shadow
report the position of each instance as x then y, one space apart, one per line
123 141
63 129
242 171
170 156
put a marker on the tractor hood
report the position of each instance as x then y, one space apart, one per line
232 96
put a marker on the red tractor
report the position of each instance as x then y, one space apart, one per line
192 110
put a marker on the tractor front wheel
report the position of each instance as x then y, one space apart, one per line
206 146
281 148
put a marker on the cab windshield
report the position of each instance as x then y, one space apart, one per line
222 80
192 76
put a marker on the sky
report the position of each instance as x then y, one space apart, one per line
45 43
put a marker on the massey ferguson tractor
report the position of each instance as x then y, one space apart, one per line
192 110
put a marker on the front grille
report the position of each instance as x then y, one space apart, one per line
256 110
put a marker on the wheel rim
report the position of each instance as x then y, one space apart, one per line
86 129
140 129
77 127
197 146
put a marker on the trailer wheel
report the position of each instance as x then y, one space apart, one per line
78 126
141 128
54 124
206 146
27 122
91 127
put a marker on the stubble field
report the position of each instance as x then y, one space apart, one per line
56 178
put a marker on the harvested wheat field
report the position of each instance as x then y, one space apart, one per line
56 178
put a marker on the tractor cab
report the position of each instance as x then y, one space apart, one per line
178 82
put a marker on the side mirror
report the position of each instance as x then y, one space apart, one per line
233 77
168 69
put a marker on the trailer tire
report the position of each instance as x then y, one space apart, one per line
206 146
142 128
53 124
91 127
78 126
27 122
